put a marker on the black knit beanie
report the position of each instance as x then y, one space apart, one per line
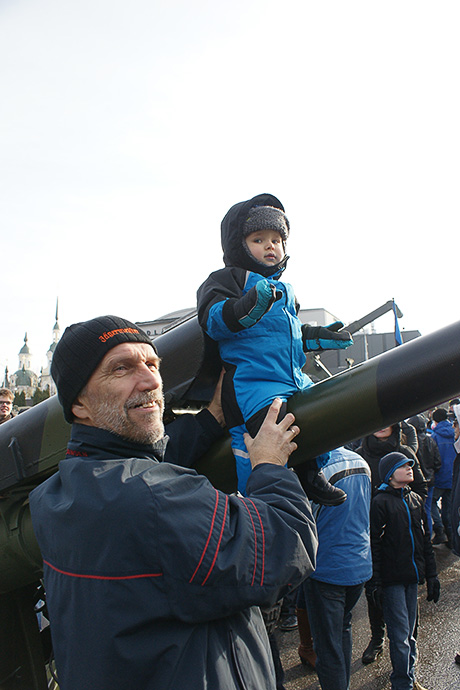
266 218
390 462
439 415
82 347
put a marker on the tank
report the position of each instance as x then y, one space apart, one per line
409 379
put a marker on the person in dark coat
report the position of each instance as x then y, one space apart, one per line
402 558
443 433
153 577
429 458
455 502
372 449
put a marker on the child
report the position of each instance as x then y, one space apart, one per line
252 315
402 557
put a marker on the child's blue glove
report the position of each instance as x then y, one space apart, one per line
249 309
325 337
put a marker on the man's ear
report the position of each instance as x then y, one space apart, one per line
80 410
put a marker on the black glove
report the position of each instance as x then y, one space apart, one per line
375 594
247 310
325 337
433 588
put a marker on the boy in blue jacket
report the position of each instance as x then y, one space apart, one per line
252 314
402 558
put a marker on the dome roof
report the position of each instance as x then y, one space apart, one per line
24 377
25 348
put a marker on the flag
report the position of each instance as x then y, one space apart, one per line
398 338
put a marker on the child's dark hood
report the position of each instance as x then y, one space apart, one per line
233 245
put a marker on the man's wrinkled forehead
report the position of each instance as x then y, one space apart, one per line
129 352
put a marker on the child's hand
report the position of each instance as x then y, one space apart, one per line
249 309
325 337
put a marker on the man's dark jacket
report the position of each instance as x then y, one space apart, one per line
153 577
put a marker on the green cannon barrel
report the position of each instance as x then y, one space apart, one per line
404 381
388 388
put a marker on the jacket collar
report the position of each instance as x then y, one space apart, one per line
99 444
391 490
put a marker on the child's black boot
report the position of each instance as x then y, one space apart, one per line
316 486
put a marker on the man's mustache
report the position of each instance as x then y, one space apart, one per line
143 399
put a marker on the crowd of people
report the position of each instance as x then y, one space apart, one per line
154 579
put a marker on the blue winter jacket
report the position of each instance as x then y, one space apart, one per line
444 435
344 549
153 577
264 361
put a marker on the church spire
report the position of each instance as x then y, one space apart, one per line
56 325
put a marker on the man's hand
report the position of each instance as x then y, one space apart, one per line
215 406
274 442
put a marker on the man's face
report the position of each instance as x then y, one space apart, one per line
5 408
125 394
383 434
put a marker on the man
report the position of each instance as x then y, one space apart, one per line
344 564
6 404
444 435
429 458
455 502
152 575
451 416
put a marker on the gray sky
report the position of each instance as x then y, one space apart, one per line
128 129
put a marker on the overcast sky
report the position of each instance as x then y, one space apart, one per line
127 130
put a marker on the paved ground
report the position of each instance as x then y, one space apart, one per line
438 640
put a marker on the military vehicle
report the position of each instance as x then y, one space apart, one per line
409 379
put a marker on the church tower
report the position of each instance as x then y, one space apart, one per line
45 378
24 379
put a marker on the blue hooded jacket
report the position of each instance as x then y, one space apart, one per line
264 361
344 549
444 435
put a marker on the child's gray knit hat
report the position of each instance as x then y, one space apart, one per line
266 218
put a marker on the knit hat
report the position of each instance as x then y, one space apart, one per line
82 347
440 414
390 462
266 218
